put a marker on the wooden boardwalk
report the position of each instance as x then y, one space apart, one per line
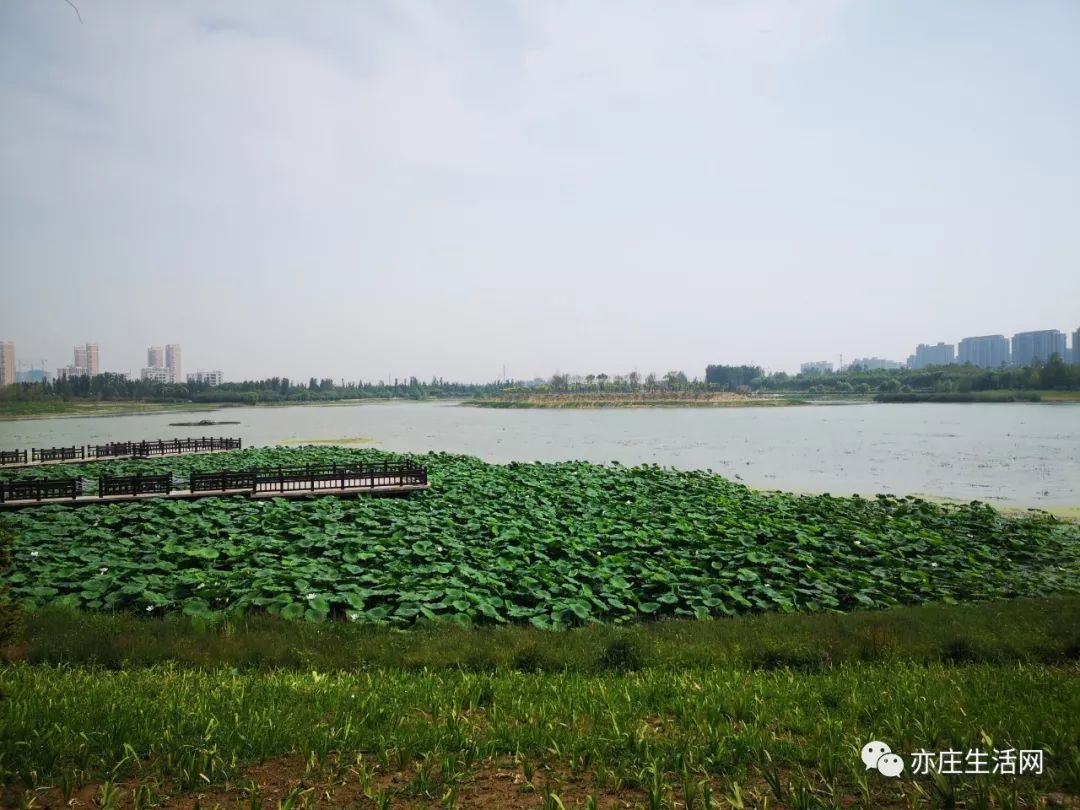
381 478
351 490
24 465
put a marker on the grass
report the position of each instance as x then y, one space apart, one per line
780 736
961 397
667 399
46 410
1020 631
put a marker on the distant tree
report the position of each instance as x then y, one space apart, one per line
634 379
602 379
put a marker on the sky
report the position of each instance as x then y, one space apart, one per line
384 189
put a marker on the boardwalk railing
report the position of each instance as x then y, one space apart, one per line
263 481
12 457
57 453
222 481
134 484
315 479
162 447
37 489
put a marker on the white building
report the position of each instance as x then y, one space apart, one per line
208 377
159 375
818 367
875 363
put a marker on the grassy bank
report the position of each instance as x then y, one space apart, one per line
719 738
1025 631
638 400
961 397
46 410
265 713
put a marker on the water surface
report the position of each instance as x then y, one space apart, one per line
1019 454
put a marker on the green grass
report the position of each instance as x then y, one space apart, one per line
1021 631
961 397
793 735
42 410
623 400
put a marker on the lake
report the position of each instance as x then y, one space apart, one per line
1022 454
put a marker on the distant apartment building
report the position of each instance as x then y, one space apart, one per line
1037 347
817 367
87 363
93 359
155 357
875 363
7 363
940 355
1076 347
172 360
986 351
158 375
207 377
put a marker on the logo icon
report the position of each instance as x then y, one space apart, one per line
876 755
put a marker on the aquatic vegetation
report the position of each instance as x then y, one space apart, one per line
549 544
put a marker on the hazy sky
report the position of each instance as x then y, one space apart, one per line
362 189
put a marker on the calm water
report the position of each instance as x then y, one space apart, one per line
1017 454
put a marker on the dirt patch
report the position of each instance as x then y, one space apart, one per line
343 782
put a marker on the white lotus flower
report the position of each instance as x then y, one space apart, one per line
310 596
34 553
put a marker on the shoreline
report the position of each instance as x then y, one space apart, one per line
79 410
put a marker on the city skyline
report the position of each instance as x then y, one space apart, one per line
972 349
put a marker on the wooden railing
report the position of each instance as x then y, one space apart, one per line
315 479
38 489
221 481
12 457
163 447
260 481
57 453
134 484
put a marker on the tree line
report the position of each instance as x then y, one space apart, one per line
116 387
1054 374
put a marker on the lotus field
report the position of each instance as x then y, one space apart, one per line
554 545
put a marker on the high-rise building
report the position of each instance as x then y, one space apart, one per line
1076 347
87 361
93 359
7 363
986 351
940 355
172 360
155 357
1037 347
817 367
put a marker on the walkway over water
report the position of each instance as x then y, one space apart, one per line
80 454
386 478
